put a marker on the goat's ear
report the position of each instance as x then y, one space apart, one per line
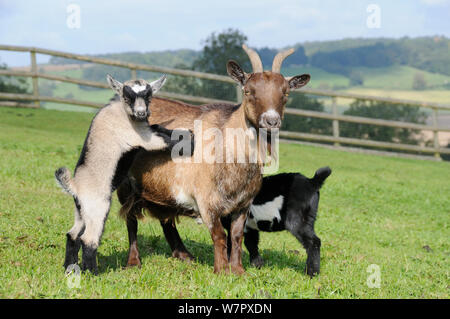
236 72
158 84
298 81
114 84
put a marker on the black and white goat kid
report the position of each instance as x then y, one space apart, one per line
286 201
117 132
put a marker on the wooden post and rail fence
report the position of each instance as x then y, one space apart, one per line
16 100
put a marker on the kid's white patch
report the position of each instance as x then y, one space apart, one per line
265 212
138 88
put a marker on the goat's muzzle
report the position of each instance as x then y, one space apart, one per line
141 115
270 119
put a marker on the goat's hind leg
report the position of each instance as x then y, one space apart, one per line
73 242
94 214
133 252
308 238
176 244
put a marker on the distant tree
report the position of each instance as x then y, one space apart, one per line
385 111
267 55
341 61
419 82
305 124
13 84
217 50
356 78
297 58
183 84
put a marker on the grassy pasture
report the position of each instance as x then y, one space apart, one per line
391 212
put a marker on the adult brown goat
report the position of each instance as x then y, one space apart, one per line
167 189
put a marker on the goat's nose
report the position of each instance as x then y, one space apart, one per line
272 121
141 113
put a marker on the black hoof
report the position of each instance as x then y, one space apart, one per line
312 272
312 269
89 267
89 261
257 262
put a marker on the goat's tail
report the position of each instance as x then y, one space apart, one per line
320 176
130 200
64 179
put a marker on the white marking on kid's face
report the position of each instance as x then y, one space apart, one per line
138 88
266 212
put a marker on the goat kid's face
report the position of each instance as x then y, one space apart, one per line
265 92
136 95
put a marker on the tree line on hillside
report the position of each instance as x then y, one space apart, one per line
341 56
429 54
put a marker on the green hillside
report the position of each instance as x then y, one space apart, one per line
408 68
395 77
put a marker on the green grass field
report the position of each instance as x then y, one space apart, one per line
373 210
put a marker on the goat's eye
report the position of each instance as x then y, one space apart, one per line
286 94
247 92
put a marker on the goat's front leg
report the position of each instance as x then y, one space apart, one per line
219 239
235 235
251 240
176 244
210 210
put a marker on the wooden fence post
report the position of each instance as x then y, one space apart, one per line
335 122
35 78
435 134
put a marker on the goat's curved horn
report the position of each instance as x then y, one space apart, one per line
254 59
279 58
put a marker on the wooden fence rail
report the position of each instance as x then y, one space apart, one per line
9 99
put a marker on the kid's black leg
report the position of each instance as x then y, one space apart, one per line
167 134
72 249
73 242
89 259
312 244
251 240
